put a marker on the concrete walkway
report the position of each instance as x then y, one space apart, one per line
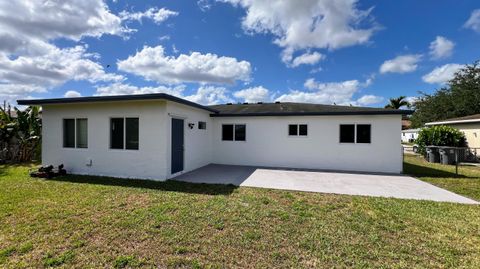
397 186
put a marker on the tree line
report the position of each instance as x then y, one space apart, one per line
459 97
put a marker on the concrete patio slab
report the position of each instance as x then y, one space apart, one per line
396 186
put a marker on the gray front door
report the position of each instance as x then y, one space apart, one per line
177 145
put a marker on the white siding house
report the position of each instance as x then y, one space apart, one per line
158 136
409 135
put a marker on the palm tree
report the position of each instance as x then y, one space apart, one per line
397 103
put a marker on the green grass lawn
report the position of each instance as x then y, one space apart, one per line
467 182
101 222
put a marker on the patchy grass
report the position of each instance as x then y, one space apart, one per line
96 222
467 182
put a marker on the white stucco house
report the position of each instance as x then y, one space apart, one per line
409 135
159 136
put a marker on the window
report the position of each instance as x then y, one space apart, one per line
124 133
347 133
69 133
351 133
363 133
131 133
82 133
116 133
202 125
231 132
302 129
292 129
75 133
227 132
240 130
297 130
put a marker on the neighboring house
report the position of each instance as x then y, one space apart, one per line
159 136
409 136
469 125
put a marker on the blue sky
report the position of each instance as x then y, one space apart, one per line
344 52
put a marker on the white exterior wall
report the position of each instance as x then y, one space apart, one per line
267 141
408 135
153 158
471 131
268 144
149 161
198 143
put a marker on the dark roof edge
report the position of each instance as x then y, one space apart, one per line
337 113
90 99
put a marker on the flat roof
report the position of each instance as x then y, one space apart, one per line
466 119
298 109
114 98
232 110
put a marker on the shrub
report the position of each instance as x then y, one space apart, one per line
440 135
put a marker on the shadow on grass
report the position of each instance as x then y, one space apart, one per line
425 171
169 185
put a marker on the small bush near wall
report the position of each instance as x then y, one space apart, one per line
440 135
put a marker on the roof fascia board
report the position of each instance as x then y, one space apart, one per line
451 122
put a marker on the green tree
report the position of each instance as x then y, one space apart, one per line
397 103
460 97
20 136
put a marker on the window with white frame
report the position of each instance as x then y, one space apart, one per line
75 133
297 130
124 133
355 133
234 132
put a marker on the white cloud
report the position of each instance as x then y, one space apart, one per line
26 26
204 5
29 61
474 21
71 93
25 75
154 13
441 48
123 89
152 64
205 95
412 99
210 95
340 93
442 74
10 92
253 94
307 58
401 64
307 24
53 68
367 100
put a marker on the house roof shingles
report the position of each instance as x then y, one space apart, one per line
232 110
297 109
